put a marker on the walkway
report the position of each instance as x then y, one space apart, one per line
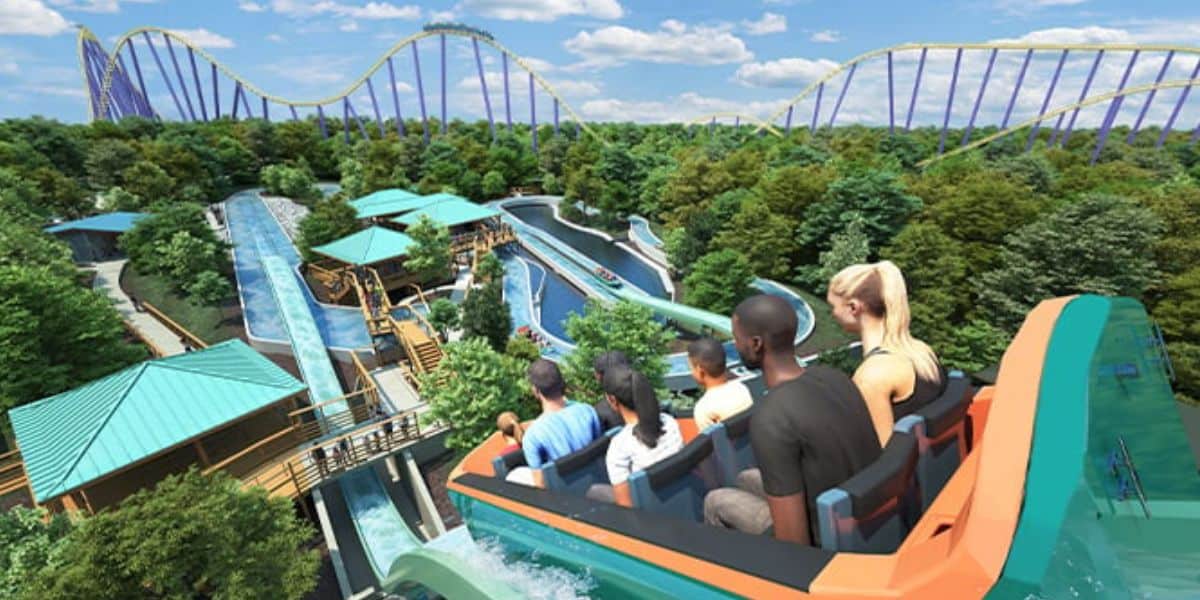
108 281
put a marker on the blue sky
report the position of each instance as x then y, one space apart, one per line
610 59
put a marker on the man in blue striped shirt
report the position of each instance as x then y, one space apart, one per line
563 426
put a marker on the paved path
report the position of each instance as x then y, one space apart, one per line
108 281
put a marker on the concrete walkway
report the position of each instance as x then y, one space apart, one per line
108 281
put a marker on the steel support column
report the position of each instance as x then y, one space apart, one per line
912 104
507 98
950 100
292 108
842 96
179 74
395 97
196 79
216 94
533 131
1113 109
442 37
787 125
556 117
163 71
137 69
362 128
1046 101
817 107
1183 96
321 122
1150 99
1087 85
375 107
266 112
487 103
420 91
1012 100
891 96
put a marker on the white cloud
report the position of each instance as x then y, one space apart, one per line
313 71
370 10
542 10
96 6
682 108
275 37
674 42
1093 34
68 91
1163 30
30 17
348 26
404 87
783 73
769 23
826 36
9 67
253 7
442 16
1024 7
577 88
540 66
204 38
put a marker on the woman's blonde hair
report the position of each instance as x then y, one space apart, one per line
509 424
880 287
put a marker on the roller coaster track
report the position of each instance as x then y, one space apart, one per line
114 68
712 118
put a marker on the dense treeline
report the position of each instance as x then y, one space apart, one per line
981 236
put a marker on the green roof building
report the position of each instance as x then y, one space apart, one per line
388 202
94 445
449 212
369 246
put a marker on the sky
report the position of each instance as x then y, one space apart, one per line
640 60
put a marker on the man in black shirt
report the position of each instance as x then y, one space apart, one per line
810 433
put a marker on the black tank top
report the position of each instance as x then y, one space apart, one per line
924 391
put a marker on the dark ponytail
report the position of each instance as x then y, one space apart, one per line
634 391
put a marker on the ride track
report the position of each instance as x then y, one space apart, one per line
113 93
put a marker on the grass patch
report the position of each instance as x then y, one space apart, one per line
208 323
826 332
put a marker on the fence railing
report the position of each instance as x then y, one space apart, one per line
175 328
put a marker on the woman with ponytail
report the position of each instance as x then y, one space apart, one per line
649 435
510 427
899 374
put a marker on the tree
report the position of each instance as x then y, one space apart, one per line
117 199
23 246
106 161
183 258
210 288
471 386
623 326
791 190
1099 244
1178 312
330 219
849 247
523 349
489 269
974 346
236 161
55 335
718 282
188 255
430 255
877 196
935 273
290 182
764 237
697 180
494 185
61 195
148 181
31 540
444 315
486 314
192 536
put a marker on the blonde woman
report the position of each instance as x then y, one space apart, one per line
899 374
510 427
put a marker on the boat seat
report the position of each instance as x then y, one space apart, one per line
731 442
504 464
677 485
577 471
940 430
874 510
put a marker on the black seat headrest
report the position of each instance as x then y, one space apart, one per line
739 424
675 466
583 456
887 478
513 459
949 409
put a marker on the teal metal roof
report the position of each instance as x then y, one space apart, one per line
80 435
115 222
449 212
368 246
387 202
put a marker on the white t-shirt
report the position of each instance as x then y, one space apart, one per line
627 454
721 402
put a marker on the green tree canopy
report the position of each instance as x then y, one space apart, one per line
471 386
148 181
192 536
623 326
444 315
210 288
329 219
849 247
718 282
765 238
877 196
485 314
430 257
31 541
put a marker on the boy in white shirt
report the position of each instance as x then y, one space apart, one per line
723 398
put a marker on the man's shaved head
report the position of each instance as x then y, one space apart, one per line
768 318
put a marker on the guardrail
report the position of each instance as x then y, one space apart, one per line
12 473
176 328
155 350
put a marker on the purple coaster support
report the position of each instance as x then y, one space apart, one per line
1113 109
395 97
1150 99
556 117
1087 85
487 103
987 74
1046 101
321 122
375 108
295 117
950 100
196 79
737 121
93 87
237 94
246 103
444 123
576 129
137 69
163 72
362 127
817 107
346 117
533 130
94 64
139 102
1195 136
420 91
179 74
912 104
842 95
266 112
507 99
1012 100
891 97
1183 96
787 126
216 94
712 126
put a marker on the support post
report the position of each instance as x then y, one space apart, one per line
346 117
556 117
533 132
1087 85
237 95
507 98
787 125
891 97
424 500
1150 99
179 74
139 102
196 79
246 103
950 101
163 72
321 122
362 128
216 94
265 110
1012 100
201 453
1113 109
487 103
1183 96
912 104
442 37
1046 101
137 69
817 107
395 97
420 91
842 96
375 107
295 117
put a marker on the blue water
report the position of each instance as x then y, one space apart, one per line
384 533
641 229
253 229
